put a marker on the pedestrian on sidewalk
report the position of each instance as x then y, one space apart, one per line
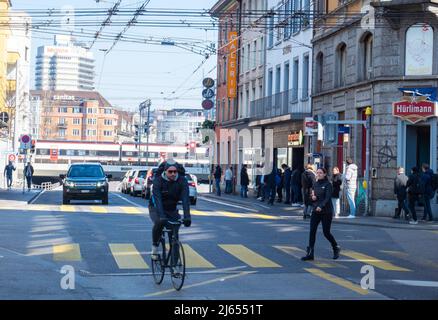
217 178
297 194
322 212
351 186
308 179
229 180
259 184
337 183
9 168
414 188
279 181
400 185
271 185
28 173
428 193
244 182
287 182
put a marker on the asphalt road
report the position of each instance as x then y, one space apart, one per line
233 252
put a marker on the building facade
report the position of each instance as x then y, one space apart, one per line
179 126
75 116
64 66
384 58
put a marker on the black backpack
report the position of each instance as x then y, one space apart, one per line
434 182
416 187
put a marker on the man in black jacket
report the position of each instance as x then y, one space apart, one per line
337 183
168 189
400 184
414 189
217 179
287 182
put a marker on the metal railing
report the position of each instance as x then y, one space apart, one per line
283 103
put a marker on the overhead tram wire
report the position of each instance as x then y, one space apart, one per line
107 21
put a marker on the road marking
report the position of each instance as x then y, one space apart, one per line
230 214
130 210
220 279
262 216
195 260
67 252
381 264
339 281
248 256
127 256
227 204
416 283
405 256
298 253
199 213
68 208
36 198
98 209
127 200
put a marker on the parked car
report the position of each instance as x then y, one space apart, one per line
125 181
147 183
85 181
136 185
193 191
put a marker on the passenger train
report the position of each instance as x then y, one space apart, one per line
53 157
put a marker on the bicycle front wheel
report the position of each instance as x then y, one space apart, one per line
178 265
157 263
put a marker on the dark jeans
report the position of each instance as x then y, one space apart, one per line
280 193
244 191
270 194
326 220
412 200
288 194
402 205
218 186
29 182
9 181
159 224
427 208
296 194
259 191
228 186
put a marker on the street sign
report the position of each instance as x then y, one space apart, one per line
207 104
208 93
310 126
25 141
12 157
208 82
343 129
4 117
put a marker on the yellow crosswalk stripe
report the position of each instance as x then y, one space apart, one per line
130 210
298 253
406 257
262 216
195 260
381 264
127 256
98 209
339 281
199 213
67 252
248 256
68 208
230 214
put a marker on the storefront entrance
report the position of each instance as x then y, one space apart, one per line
417 146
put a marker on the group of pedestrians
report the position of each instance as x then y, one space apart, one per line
28 173
414 189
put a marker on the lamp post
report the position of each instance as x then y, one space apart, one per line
145 104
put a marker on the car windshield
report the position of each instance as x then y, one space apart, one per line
86 172
142 174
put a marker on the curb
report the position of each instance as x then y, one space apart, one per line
338 221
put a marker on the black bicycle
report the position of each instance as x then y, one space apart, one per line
171 256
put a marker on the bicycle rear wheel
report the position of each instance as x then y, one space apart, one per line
157 265
177 265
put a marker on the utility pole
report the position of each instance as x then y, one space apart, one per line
145 104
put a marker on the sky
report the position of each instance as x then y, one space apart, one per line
133 72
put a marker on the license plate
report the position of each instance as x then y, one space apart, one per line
85 191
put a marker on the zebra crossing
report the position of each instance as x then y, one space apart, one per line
128 256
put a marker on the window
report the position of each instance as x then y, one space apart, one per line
296 16
77 110
61 132
248 56
75 132
108 122
305 93
262 52
287 11
368 57
277 79
62 121
254 57
91 121
225 70
77 121
319 72
419 50
341 65
242 60
270 82
107 133
271 31
286 77
306 10
295 80
62 109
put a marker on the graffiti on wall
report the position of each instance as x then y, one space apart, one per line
386 155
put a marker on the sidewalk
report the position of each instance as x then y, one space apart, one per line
381 222
15 197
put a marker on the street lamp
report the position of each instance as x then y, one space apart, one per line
145 104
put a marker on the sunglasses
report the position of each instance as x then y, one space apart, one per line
172 171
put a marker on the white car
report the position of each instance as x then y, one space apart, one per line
126 181
193 191
136 184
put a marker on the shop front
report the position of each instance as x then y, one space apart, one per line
289 145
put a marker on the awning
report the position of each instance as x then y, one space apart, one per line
430 93
13 57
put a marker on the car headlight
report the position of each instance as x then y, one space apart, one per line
69 184
100 184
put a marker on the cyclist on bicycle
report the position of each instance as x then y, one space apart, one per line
169 186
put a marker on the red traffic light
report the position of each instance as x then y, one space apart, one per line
192 145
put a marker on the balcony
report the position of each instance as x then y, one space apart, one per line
63 125
286 103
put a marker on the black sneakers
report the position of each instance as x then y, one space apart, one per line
336 251
309 255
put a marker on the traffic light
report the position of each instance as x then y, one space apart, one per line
32 147
192 147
